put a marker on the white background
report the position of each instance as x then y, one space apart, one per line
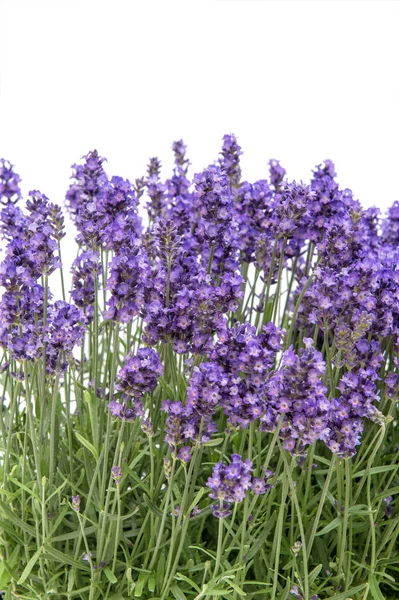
299 81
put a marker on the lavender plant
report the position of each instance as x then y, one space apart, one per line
209 409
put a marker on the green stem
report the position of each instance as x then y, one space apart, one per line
276 550
164 516
289 469
219 546
322 501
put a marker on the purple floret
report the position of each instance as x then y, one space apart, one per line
229 483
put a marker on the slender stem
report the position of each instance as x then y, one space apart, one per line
164 516
219 547
279 535
322 501
61 272
53 428
296 309
289 469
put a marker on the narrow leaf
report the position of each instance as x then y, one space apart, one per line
109 575
349 593
65 559
375 470
214 442
17 521
197 498
235 587
375 589
390 492
181 577
30 565
87 444
153 508
178 594
152 583
138 590
24 487
333 525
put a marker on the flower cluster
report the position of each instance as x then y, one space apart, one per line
31 328
229 484
357 393
214 204
86 269
128 274
254 208
104 210
137 377
247 361
297 400
183 304
9 180
277 173
230 160
65 330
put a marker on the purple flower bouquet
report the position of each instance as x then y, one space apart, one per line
209 408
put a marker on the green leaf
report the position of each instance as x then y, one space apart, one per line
197 498
57 491
390 492
141 570
375 470
74 534
109 575
6 568
262 537
166 389
16 520
213 556
359 509
333 525
218 592
161 570
374 589
314 573
87 444
235 587
178 594
153 508
349 593
181 577
289 564
128 516
321 459
152 582
138 590
11 532
30 565
24 487
65 559
214 442
136 478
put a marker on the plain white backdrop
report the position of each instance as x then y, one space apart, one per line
299 81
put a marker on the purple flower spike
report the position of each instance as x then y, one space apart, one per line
116 474
230 161
229 483
140 373
9 180
76 503
277 173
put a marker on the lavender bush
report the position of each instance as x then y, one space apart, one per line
209 409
